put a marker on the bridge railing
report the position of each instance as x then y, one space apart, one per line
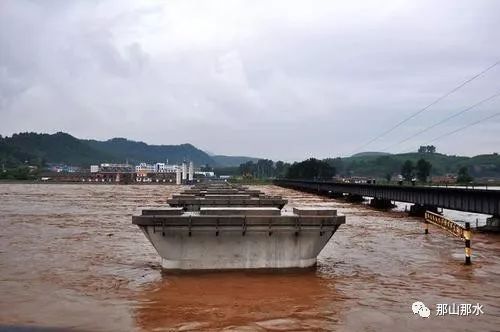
463 232
444 223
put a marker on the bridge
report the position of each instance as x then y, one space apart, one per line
424 198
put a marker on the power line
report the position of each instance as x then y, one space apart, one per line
411 116
457 130
464 127
444 120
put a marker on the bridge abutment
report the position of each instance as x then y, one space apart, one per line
382 204
418 210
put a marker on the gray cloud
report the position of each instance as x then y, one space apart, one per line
284 80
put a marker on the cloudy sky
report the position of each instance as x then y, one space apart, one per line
278 79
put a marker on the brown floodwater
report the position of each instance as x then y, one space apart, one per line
71 259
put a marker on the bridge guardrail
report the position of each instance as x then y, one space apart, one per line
463 232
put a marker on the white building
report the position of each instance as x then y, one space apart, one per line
191 171
184 171
160 168
171 168
144 168
178 176
94 168
206 174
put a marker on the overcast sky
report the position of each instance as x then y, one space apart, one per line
278 79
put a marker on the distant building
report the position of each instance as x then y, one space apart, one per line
191 171
160 168
116 168
448 178
205 174
184 171
143 173
62 168
144 169
357 179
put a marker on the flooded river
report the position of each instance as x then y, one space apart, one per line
71 259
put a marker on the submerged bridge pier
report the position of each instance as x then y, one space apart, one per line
381 203
423 198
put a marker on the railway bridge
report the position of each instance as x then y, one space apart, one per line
424 198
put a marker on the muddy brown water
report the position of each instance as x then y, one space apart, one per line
70 258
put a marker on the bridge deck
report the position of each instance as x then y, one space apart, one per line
461 199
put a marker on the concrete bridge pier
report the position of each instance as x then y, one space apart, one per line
337 195
354 198
418 210
492 224
381 204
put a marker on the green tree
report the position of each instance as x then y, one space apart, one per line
248 169
311 169
265 168
280 169
463 175
427 149
206 168
423 170
388 177
407 170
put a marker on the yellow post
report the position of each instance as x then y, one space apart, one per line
467 237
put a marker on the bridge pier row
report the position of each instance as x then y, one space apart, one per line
381 204
417 210
492 224
354 198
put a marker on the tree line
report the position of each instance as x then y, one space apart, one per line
422 170
311 168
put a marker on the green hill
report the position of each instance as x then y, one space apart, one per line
370 154
379 166
136 152
40 149
232 161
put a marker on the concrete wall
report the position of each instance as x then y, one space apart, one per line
232 250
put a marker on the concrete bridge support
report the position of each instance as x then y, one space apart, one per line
382 204
335 194
418 210
492 224
354 198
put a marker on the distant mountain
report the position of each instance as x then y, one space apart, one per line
40 149
137 152
370 154
232 161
